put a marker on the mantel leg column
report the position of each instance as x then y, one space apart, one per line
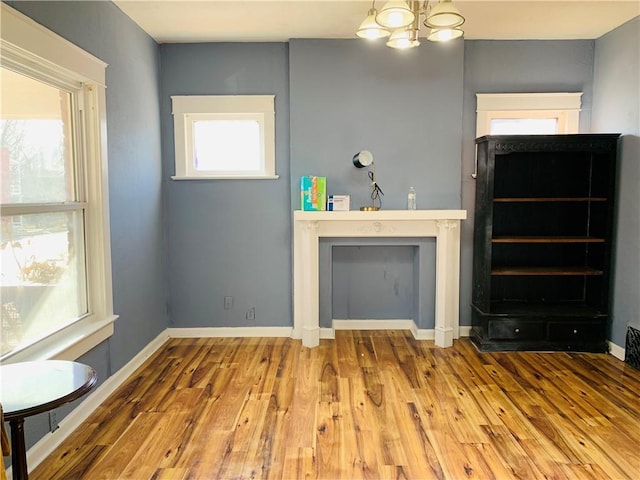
297 280
310 287
447 282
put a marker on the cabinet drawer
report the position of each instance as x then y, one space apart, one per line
576 331
516 330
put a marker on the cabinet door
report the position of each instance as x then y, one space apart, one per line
481 295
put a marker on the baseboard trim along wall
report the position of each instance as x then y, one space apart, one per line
617 351
52 440
212 332
393 324
47 444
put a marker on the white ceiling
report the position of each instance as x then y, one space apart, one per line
180 21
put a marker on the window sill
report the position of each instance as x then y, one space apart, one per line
67 344
227 177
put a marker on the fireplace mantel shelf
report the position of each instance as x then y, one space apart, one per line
444 225
403 215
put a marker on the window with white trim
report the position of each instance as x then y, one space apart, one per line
224 136
55 287
527 113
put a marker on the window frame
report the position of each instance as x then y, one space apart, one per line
187 109
31 49
565 106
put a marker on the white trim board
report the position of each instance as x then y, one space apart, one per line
213 332
617 351
379 324
382 324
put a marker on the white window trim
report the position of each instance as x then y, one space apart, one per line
563 106
30 47
185 108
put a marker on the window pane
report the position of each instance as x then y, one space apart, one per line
530 126
43 284
35 141
227 145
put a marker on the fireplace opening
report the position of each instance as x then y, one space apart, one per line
364 280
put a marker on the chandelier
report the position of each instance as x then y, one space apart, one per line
400 21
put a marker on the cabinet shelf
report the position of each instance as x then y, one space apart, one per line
548 199
546 239
544 271
542 242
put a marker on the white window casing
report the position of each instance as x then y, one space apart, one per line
189 109
563 106
32 50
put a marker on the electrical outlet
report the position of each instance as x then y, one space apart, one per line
53 421
251 313
228 303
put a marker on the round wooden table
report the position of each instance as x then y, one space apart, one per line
29 388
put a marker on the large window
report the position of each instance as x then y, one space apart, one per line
55 285
224 136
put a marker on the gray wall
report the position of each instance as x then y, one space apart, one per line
228 237
514 67
233 238
616 108
405 107
133 129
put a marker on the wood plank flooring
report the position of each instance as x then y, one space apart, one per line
367 405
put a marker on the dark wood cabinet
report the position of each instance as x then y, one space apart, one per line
542 241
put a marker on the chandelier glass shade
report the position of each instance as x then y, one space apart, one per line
444 15
395 14
370 29
400 21
402 39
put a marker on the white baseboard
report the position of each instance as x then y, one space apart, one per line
47 444
393 324
617 351
328 333
381 324
464 330
422 333
212 332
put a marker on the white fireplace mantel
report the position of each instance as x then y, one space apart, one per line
309 227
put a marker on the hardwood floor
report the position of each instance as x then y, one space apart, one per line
365 405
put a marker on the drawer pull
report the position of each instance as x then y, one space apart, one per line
517 330
575 331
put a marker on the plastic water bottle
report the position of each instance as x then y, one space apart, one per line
411 199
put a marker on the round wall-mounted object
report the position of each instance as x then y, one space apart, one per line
363 159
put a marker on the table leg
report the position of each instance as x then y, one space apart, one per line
18 450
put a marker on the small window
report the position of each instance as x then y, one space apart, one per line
531 126
221 136
527 113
